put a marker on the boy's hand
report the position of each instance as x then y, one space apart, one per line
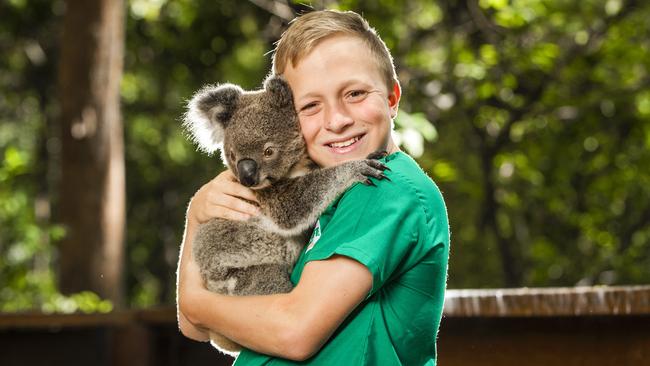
223 197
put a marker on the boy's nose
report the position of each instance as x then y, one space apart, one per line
338 120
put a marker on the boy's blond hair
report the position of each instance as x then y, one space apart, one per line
306 31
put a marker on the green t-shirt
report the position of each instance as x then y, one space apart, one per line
400 232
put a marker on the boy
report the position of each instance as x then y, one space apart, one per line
370 283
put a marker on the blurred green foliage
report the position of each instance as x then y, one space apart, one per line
28 156
531 115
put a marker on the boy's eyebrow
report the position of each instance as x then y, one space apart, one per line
353 81
347 83
307 96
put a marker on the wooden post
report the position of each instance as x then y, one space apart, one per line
92 192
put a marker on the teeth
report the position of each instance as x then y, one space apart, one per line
345 143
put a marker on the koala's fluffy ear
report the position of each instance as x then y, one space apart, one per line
280 90
209 112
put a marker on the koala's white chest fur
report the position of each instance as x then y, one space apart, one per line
267 224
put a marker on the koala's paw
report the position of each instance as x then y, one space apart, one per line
377 154
371 168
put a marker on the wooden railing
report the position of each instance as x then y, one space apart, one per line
552 302
565 326
546 326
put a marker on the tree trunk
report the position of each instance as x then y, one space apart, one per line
92 192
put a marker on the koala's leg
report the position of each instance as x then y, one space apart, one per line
263 279
294 205
225 345
221 244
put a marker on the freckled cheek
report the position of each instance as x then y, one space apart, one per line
309 128
371 112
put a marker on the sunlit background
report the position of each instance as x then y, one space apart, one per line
532 116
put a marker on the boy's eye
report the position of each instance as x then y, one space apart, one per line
357 94
308 106
309 109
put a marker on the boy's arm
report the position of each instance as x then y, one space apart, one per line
292 326
187 328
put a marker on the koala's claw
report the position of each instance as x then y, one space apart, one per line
377 154
374 169
363 170
369 182
377 165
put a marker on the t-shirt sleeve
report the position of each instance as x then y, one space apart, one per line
376 226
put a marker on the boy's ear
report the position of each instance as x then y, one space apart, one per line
279 89
393 98
209 112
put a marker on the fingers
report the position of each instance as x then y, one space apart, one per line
223 197
235 189
232 215
224 207
229 185
227 203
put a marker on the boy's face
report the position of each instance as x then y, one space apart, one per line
344 107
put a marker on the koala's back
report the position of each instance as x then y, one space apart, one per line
241 258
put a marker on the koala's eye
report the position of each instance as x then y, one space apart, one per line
232 155
268 152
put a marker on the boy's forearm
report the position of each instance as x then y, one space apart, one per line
190 330
261 323
186 327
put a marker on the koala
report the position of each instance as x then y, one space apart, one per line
258 134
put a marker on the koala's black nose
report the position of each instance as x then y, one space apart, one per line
247 169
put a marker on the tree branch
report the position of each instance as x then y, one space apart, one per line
279 8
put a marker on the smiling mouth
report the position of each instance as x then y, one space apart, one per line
346 143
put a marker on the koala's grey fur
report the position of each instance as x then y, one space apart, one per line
257 256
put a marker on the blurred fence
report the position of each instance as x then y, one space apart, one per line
551 326
576 326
